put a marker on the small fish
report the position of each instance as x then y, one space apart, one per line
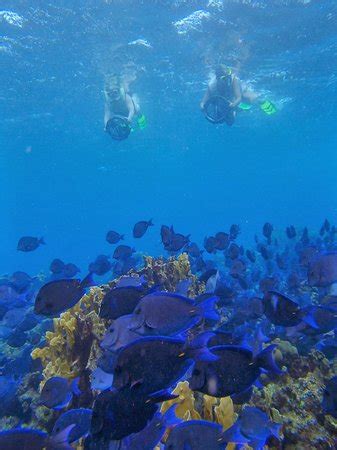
57 392
119 334
291 232
253 427
166 313
329 402
306 256
305 236
60 295
56 266
80 418
166 234
234 232
267 231
222 240
123 252
238 268
29 243
157 363
141 227
101 265
30 439
177 242
234 371
119 413
193 250
283 311
70 270
100 380
120 301
151 435
262 249
196 435
233 251
251 255
322 270
210 244
113 237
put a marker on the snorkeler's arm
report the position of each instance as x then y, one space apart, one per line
131 107
205 98
237 93
107 114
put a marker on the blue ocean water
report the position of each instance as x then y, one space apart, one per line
63 178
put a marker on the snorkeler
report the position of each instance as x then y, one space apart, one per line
226 85
118 101
228 94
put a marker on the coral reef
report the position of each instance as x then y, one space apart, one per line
294 400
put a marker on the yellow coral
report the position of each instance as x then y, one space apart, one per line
185 401
59 356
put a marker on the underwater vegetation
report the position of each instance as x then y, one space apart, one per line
232 350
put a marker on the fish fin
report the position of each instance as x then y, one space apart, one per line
233 434
170 418
162 396
121 237
150 223
74 386
258 384
201 340
199 350
87 281
41 241
265 360
257 444
60 440
208 308
136 383
309 319
275 429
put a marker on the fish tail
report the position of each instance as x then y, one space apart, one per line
198 347
150 223
87 281
121 237
266 360
75 386
208 308
308 317
41 241
60 441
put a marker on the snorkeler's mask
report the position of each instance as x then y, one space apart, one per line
115 93
227 74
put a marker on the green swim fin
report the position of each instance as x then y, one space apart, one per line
245 106
268 107
142 122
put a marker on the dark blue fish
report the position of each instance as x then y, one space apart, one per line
158 363
29 322
233 251
166 233
222 240
57 392
70 270
119 413
30 439
267 231
322 269
123 252
141 227
253 428
29 243
113 237
329 402
151 435
60 295
120 301
291 232
196 435
283 311
210 244
193 250
166 313
234 232
56 266
235 370
251 255
101 265
80 417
